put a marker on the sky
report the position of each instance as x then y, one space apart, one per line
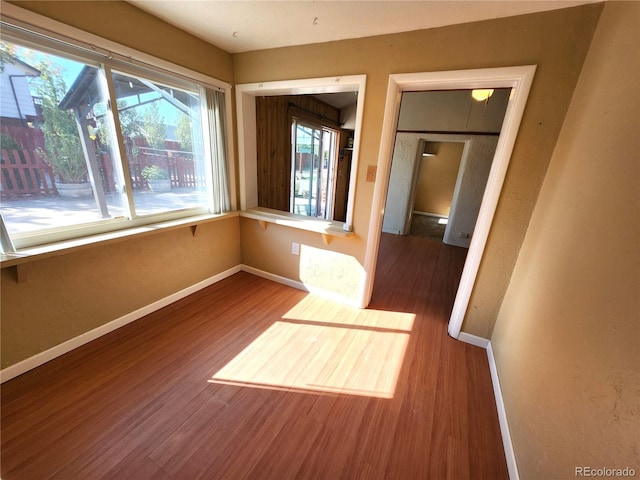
70 69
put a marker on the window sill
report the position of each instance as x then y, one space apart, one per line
32 254
325 228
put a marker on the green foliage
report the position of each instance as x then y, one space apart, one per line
183 132
61 139
130 123
154 172
155 129
8 143
7 53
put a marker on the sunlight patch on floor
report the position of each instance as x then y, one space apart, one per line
319 346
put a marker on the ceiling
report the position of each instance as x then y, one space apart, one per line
245 25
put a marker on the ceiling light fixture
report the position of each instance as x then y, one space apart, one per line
482 95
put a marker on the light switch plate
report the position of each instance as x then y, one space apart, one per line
371 173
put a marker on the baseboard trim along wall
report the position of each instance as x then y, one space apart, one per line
473 340
65 347
302 286
497 392
502 417
273 277
428 214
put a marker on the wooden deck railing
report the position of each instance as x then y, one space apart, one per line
26 173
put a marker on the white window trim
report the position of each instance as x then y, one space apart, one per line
39 252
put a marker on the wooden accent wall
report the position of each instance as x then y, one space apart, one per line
273 123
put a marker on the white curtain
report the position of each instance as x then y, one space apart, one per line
217 123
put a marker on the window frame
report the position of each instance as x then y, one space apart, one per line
49 36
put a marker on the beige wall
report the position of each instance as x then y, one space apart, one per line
270 250
556 41
68 295
567 339
437 179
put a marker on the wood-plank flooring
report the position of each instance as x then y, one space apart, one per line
253 379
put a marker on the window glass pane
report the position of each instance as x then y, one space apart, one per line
163 140
313 175
57 169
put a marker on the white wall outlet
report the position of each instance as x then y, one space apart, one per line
295 248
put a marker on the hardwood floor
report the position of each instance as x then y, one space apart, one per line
253 379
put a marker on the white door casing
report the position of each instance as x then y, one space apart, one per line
519 79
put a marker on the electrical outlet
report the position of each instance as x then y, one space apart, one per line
295 248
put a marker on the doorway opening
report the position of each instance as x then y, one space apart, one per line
519 80
437 169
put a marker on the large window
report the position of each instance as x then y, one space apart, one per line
94 144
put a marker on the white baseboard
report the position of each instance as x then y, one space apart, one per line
497 393
502 417
352 302
65 347
273 277
427 214
473 340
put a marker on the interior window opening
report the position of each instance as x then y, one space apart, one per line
269 178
